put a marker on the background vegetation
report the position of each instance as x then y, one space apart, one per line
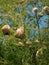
15 51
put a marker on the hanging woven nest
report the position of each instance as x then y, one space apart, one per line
40 15
28 43
35 9
37 41
20 33
39 52
6 29
46 10
20 44
22 1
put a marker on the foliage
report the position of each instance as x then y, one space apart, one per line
15 51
